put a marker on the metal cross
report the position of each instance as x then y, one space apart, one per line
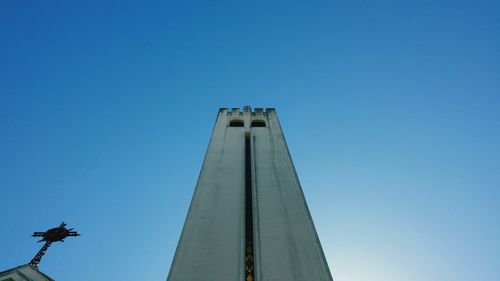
52 235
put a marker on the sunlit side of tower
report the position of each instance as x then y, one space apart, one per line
248 218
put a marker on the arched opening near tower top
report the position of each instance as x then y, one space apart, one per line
258 123
236 123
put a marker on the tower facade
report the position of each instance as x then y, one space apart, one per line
248 219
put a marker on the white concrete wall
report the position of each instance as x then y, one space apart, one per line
211 243
24 273
287 246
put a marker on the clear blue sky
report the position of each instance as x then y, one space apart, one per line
391 110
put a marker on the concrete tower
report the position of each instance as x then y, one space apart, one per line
248 218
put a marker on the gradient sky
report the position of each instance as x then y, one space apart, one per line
391 110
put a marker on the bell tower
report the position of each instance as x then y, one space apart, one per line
248 219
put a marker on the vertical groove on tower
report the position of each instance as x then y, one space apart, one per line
249 251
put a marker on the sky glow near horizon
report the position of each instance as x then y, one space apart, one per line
391 110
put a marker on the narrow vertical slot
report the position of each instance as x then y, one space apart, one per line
249 256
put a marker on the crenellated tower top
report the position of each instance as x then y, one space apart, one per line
246 117
247 110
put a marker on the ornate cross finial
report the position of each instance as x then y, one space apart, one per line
52 235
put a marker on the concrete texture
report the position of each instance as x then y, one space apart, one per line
211 247
287 246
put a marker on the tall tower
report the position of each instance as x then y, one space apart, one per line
248 218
